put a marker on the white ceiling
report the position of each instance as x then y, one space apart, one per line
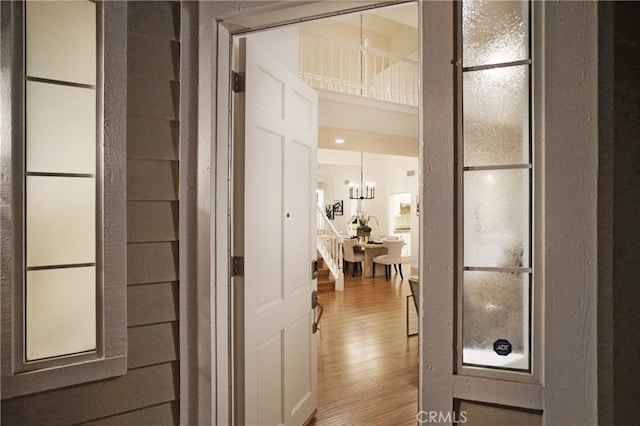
405 14
382 20
366 125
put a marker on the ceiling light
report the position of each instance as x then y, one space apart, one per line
339 141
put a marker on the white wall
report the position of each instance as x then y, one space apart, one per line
331 178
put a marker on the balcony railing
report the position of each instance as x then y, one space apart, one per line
332 64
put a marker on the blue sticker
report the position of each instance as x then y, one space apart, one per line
502 347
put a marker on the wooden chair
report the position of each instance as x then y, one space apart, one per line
356 258
393 257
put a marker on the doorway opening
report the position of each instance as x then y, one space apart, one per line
369 102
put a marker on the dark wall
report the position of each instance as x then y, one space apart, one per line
626 205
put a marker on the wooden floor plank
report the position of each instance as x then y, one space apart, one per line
367 366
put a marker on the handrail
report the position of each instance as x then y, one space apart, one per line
330 247
341 66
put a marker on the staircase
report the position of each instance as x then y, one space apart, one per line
329 252
325 279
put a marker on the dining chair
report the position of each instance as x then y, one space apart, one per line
391 238
393 257
356 258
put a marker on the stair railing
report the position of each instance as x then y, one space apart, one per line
330 247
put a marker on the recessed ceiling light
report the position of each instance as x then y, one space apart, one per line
339 141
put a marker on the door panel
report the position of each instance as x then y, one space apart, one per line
269 375
280 145
266 179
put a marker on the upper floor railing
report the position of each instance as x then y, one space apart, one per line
333 64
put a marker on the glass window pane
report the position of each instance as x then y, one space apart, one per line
495 319
494 32
61 40
496 218
61 220
496 116
61 129
60 312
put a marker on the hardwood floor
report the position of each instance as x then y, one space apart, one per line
368 367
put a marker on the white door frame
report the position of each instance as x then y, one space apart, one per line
215 129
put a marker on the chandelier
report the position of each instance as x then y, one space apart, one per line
365 191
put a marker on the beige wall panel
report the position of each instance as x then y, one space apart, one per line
152 221
60 312
155 57
61 41
152 344
60 220
153 97
492 415
163 414
158 18
61 128
152 303
139 388
152 262
152 139
152 180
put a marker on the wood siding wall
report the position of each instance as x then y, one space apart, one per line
149 392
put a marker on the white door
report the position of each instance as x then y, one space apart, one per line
280 364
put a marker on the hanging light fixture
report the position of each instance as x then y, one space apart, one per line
366 191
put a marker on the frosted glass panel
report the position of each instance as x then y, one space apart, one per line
61 128
496 218
61 220
61 40
496 116
60 312
495 319
494 32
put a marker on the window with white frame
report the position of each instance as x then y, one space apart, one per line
63 304
496 169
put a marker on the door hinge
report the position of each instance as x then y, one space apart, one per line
237 82
237 266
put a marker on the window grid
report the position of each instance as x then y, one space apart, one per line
29 359
479 367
